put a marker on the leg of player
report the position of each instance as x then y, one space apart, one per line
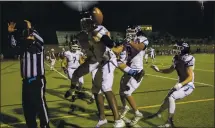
124 80
104 81
127 87
52 64
82 70
163 106
100 106
146 58
176 95
96 81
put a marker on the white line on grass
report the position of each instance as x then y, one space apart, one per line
177 79
87 114
161 65
58 72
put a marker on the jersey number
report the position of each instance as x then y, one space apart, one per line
74 58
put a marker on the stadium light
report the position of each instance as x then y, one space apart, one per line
201 2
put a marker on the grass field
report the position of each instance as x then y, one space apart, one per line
196 110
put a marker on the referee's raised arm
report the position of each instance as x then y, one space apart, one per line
32 72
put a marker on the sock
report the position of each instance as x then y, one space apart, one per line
171 105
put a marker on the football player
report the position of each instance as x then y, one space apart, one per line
70 63
135 49
95 39
152 50
47 55
52 59
61 55
146 56
184 64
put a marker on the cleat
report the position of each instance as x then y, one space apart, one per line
101 122
67 94
138 76
91 101
119 124
137 117
124 111
73 98
169 124
154 115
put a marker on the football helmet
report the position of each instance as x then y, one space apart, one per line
74 48
181 48
133 31
130 32
52 50
91 19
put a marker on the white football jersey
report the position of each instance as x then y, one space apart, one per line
152 51
135 58
181 63
73 58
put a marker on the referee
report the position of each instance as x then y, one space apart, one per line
32 71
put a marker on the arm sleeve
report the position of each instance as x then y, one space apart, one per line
38 39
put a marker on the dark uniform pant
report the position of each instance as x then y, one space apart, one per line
34 102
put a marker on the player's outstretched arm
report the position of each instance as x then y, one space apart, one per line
166 71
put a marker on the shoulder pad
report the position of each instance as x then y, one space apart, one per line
101 29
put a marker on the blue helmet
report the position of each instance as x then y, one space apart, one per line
182 48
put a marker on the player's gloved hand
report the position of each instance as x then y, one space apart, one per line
155 68
178 86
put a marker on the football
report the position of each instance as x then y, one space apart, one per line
97 15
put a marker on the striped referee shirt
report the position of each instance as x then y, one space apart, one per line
31 56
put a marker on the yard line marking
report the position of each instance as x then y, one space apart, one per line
161 65
58 72
143 107
186 102
210 85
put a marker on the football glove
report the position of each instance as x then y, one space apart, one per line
178 86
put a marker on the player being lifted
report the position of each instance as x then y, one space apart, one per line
52 59
135 48
95 39
184 64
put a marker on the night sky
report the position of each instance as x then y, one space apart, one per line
182 19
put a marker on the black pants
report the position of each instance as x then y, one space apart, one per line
34 102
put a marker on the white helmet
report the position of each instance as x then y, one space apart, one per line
74 47
52 49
